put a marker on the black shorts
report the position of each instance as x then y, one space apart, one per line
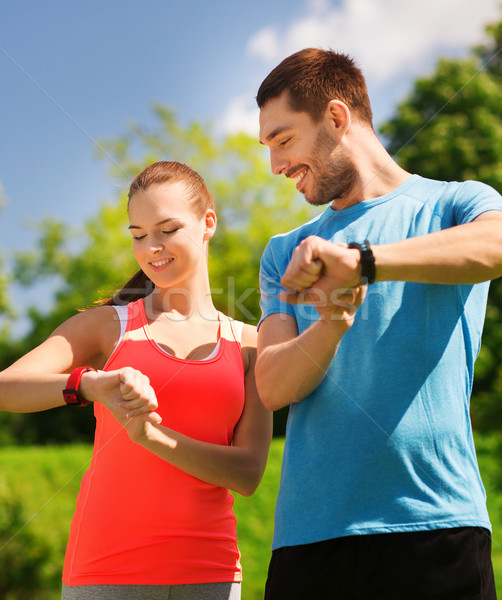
443 564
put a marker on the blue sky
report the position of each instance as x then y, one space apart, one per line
74 73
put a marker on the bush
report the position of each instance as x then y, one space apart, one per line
35 517
38 488
39 485
23 553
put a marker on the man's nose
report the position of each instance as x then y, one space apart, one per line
278 163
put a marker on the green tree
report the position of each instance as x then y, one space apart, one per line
5 307
450 128
9 348
89 263
252 204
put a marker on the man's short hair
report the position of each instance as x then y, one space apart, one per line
312 77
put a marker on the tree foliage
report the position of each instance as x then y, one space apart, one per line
450 128
89 263
5 307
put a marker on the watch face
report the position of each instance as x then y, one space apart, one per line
70 394
70 397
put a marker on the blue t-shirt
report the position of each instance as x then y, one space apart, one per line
384 443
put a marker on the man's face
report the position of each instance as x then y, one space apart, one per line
306 151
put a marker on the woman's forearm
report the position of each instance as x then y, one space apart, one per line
31 392
232 467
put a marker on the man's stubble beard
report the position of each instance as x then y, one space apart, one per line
335 176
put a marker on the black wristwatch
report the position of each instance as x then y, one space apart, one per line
368 270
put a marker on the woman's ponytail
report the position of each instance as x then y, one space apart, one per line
139 286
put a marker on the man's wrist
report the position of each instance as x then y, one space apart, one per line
366 261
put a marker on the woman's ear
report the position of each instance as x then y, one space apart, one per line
210 224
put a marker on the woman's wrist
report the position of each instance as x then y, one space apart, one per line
87 388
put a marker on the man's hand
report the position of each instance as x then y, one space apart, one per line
321 273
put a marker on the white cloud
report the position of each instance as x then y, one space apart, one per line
386 37
241 115
264 44
391 40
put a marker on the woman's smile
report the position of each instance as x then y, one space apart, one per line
160 264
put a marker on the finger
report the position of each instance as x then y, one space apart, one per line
303 297
152 417
345 295
361 291
128 378
302 269
315 266
135 404
149 417
289 296
145 402
136 385
301 279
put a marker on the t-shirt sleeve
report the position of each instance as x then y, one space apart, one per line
472 199
272 266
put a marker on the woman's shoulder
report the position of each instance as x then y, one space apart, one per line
249 336
248 340
99 323
97 315
244 333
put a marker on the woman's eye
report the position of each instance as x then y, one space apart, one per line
283 143
138 237
171 231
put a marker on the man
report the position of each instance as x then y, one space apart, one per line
380 492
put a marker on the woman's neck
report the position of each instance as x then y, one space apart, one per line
182 303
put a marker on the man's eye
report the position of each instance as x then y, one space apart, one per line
283 143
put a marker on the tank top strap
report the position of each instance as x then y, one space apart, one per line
136 317
228 330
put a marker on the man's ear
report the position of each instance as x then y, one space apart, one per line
338 114
210 224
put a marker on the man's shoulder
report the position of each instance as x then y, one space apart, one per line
470 187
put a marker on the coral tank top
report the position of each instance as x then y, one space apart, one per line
138 519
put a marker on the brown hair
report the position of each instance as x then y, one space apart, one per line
172 172
312 77
140 286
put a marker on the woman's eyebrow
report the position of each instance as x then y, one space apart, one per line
169 219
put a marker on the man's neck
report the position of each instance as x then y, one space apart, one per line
379 174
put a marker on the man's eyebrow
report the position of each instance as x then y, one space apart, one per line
275 132
168 220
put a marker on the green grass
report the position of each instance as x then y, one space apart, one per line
47 478
255 522
46 481
489 451
41 482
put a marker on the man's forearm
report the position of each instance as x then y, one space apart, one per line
467 253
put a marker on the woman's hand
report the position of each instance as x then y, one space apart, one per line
127 394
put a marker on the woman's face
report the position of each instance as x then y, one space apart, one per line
169 238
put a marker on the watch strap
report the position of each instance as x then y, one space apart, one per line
70 393
367 259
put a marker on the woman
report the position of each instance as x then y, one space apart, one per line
178 418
